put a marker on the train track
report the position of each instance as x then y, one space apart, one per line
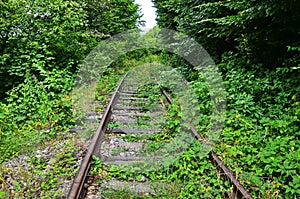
124 108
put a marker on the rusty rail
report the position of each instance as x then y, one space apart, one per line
241 191
77 189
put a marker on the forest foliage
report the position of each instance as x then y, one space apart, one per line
42 44
262 30
255 45
38 37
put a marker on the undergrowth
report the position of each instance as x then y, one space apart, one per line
189 175
34 112
259 142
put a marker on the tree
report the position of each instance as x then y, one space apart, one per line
43 35
259 29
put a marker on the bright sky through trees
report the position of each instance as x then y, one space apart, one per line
149 13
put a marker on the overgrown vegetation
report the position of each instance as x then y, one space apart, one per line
41 36
189 175
255 45
42 44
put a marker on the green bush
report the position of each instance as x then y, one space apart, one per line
33 111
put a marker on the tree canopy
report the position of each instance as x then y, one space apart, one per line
45 35
263 30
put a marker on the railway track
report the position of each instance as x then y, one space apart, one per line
123 117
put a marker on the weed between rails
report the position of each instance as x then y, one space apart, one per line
188 176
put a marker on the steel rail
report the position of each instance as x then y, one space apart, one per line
242 193
77 189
